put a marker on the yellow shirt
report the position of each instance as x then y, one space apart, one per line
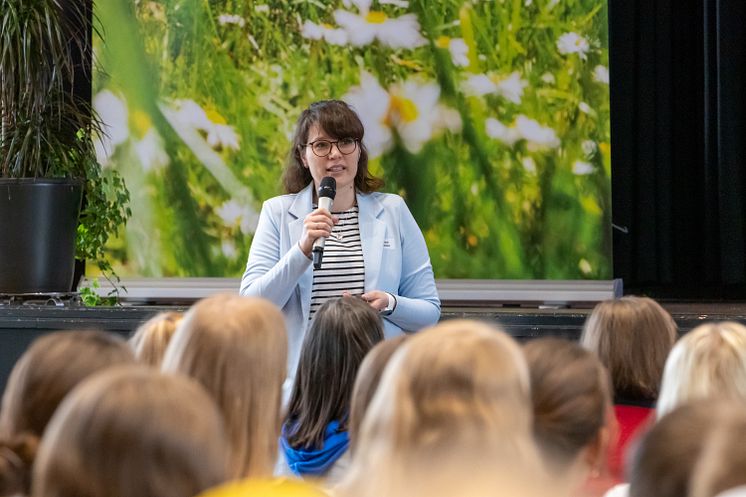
278 487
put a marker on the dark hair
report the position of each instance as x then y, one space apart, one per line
571 395
339 120
51 367
368 377
632 336
341 334
665 458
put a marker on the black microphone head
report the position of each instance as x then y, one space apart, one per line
328 187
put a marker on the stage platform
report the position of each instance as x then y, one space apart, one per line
21 324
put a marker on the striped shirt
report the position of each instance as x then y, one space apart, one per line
342 267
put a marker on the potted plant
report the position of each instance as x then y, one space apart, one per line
47 157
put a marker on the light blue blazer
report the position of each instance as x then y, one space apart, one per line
394 251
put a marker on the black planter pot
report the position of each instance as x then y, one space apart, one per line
38 223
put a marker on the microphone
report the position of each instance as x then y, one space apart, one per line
327 191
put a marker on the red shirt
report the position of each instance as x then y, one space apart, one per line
632 421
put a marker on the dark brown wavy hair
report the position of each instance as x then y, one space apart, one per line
339 120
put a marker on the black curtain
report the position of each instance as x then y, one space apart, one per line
678 110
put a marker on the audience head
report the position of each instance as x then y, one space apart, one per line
132 432
151 339
573 418
368 377
722 463
632 336
52 366
236 347
343 331
708 361
663 462
456 396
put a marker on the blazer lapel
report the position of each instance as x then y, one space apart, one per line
302 205
372 233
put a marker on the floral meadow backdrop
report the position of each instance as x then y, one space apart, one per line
491 118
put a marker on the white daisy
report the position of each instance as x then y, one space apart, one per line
230 213
511 88
584 266
399 32
371 102
234 213
529 165
497 130
114 116
536 135
412 108
219 134
478 85
458 49
548 78
571 42
222 136
224 19
150 151
601 74
313 31
363 6
192 115
581 168
229 249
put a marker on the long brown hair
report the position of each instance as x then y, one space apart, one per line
342 333
236 347
632 336
339 120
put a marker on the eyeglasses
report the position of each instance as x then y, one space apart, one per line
322 148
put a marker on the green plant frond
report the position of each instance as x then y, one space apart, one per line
47 129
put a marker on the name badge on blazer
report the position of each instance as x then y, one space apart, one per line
388 243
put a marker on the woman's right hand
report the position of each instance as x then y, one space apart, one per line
317 224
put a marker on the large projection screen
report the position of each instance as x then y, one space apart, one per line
491 118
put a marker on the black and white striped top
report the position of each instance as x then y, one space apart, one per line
342 265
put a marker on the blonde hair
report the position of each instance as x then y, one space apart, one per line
366 383
236 347
459 388
151 338
632 336
709 361
132 432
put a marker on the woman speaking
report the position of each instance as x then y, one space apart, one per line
372 246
